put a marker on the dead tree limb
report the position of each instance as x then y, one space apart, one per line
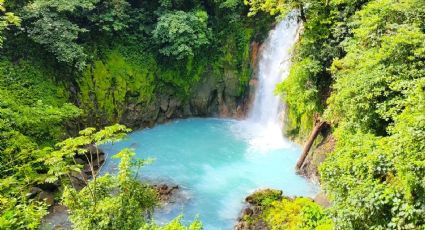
314 133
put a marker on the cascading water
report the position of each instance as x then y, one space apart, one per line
273 67
218 162
264 120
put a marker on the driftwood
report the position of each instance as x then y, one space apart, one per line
314 133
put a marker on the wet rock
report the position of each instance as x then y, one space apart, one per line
46 197
203 95
57 218
310 167
164 103
187 110
172 107
87 169
246 225
94 151
33 192
78 180
248 212
98 162
250 218
79 161
322 200
165 192
217 92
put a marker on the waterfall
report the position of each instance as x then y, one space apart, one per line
264 119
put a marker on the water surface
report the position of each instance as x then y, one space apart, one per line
217 163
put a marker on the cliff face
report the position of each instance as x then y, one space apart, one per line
211 96
138 92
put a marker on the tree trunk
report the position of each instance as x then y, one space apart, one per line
316 130
302 14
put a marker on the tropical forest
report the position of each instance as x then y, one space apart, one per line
212 114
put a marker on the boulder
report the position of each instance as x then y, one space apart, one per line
78 180
46 197
165 191
250 218
172 107
58 218
322 200
164 103
258 196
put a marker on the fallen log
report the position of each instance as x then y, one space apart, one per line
314 133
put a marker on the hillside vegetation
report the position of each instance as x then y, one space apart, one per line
360 65
65 65
69 64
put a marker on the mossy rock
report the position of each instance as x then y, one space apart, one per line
264 197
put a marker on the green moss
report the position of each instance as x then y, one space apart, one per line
235 57
128 74
107 86
182 80
244 59
264 197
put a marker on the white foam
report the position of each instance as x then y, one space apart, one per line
263 128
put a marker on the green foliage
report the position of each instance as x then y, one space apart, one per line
107 202
32 113
374 51
264 197
107 86
301 95
31 103
175 225
19 214
7 20
180 34
280 212
375 176
234 62
273 7
307 86
48 23
60 162
300 213
182 79
110 202
379 73
379 182
111 15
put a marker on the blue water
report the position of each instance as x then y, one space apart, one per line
216 163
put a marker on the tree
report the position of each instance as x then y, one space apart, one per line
112 202
6 19
180 34
111 15
33 112
50 23
375 175
276 7
107 202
